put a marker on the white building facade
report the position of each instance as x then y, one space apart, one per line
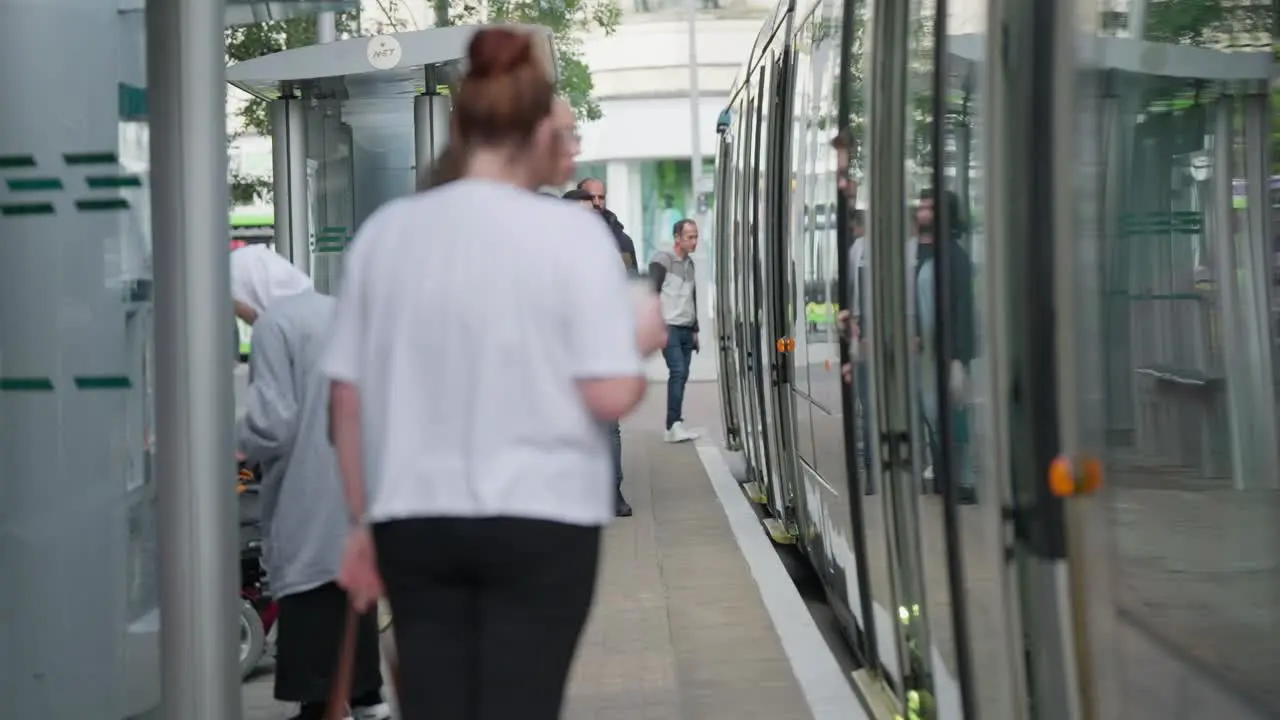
642 145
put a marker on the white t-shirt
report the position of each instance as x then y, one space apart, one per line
466 315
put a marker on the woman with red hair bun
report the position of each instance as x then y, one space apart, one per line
484 334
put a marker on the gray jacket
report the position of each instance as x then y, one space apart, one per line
285 431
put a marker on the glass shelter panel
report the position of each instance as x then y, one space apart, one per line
80 621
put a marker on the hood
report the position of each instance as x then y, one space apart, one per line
259 277
612 219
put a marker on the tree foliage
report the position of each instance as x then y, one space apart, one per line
568 20
246 42
1208 22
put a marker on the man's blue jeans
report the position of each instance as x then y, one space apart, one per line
615 437
678 354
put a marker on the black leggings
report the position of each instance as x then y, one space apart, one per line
486 612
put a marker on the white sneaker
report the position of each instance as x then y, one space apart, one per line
677 434
381 711
928 473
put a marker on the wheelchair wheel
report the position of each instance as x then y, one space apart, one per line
253 639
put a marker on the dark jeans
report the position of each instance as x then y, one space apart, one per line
959 466
487 611
615 436
678 354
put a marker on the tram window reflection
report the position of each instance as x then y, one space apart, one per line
1188 362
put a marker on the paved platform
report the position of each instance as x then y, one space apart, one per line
680 629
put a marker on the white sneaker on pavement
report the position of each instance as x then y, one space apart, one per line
381 711
678 434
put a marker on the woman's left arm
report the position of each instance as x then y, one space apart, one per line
267 429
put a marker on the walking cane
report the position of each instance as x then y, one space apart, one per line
343 677
340 694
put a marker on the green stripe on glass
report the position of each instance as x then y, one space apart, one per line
89 158
102 382
333 230
17 161
100 205
26 209
25 384
33 184
132 102
99 182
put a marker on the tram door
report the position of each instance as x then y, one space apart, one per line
921 326
761 346
769 264
746 378
727 230
775 253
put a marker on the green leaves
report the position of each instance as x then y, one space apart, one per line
1208 22
568 21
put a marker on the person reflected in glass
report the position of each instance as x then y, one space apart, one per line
673 275
959 324
483 333
284 432
852 320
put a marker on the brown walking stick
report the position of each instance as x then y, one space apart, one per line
340 695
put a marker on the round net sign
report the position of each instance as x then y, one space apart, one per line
383 52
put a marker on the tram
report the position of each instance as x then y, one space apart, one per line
1030 256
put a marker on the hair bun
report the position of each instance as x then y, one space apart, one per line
498 51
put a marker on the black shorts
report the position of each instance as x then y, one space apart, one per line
311 625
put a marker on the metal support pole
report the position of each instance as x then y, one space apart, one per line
280 171
326 28
200 677
1253 283
700 186
289 178
1225 263
431 118
299 200
695 148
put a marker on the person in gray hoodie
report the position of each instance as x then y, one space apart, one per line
284 431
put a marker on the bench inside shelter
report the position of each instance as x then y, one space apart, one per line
1182 418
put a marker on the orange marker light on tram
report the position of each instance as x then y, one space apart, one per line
1066 479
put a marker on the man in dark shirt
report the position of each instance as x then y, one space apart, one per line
594 188
582 197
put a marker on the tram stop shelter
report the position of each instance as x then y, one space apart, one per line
1184 255
354 124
